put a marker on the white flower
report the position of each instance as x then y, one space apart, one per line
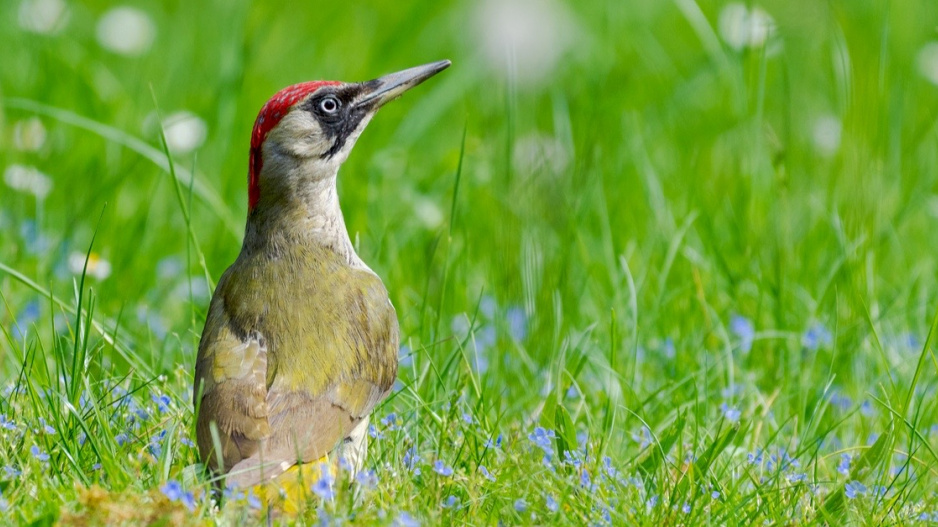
741 27
826 135
184 131
98 267
428 212
28 179
525 38
29 135
126 31
537 152
45 17
927 62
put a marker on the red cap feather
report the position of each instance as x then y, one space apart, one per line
271 114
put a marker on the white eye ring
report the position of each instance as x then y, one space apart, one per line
329 105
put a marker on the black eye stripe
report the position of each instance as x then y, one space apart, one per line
338 124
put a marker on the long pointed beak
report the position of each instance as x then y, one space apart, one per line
384 89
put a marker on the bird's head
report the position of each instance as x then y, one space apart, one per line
306 131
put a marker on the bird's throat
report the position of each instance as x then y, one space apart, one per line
309 215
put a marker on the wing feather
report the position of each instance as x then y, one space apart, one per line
290 386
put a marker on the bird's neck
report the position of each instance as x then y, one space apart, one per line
308 215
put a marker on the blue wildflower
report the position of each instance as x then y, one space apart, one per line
6 424
27 317
866 408
38 453
11 472
608 468
367 479
854 489
162 402
374 432
487 306
479 361
460 326
188 500
685 508
797 477
186 441
730 413
731 391
253 501
440 468
652 502
139 413
715 495
667 348
878 490
844 466
485 473
517 323
345 465
411 458
121 439
816 336
174 491
551 503
232 493
494 444
406 520
742 327
585 481
467 418
45 426
607 516
450 502
323 487
841 401
390 421
571 458
572 392
155 447
755 458
521 505
643 438
911 342
543 438
484 338
781 461
405 356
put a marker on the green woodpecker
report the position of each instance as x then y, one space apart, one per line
301 341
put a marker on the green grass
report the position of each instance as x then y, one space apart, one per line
612 259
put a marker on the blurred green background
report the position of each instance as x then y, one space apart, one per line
632 175
792 164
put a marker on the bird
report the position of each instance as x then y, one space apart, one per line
301 340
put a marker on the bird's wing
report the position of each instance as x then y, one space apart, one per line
320 382
230 389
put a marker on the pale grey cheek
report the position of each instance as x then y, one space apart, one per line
311 144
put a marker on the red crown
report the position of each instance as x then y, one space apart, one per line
271 114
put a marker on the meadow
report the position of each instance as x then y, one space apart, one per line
655 262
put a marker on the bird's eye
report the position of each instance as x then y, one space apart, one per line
329 105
